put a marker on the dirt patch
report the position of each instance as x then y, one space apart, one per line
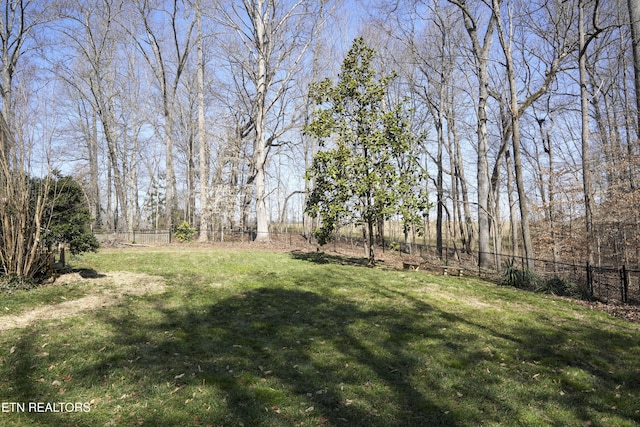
110 288
628 312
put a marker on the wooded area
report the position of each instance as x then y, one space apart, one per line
527 115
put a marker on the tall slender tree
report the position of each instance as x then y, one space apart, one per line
93 73
560 48
167 55
203 147
481 54
634 16
22 205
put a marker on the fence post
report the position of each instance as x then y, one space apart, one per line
589 280
62 256
624 290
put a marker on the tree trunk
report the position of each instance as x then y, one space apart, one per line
587 184
259 148
371 241
512 212
94 173
439 184
469 231
203 172
634 15
484 256
551 192
522 196
481 56
515 137
170 181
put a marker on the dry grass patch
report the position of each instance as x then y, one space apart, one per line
109 288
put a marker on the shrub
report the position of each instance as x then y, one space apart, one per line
557 286
69 216
13 282
521 279
37 215
581 291
561 286
185 233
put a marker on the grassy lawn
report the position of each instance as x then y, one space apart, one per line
256 338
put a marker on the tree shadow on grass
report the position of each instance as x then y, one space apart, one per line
324 258
268 349
591 372
289 355
88 273
27 389
593 367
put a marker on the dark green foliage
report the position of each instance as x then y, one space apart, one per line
557 286
13 282
526 279
581 291
68 216
564 287
184 233
518 278
367 169
46 212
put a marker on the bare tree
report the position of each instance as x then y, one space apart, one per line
166 54
18 23
22 198
22 206
481 52
584 40
561 47
275 35
634 16
93 73
203 148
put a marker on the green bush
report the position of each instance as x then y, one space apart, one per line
69 216
581 291
564 287
185 233
557 286
521 279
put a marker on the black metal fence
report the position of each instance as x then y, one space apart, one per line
615 285
150 237
609 284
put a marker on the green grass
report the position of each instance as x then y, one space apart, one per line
256 338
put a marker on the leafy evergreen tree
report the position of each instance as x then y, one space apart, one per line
68 216
368 170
